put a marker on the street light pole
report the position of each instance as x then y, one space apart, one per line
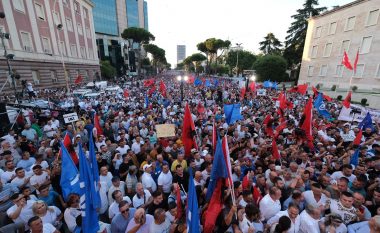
182 79
59 27
237 58
7 56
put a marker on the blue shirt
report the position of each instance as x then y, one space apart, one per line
119 223
360 227
26 164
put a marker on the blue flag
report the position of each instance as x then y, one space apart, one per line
207 83
232 113
216 82
69 174
146 101
95 172
274 86
166 103
90 218
320 106
366 123
197 82
192 214
355 157
219 169
267 84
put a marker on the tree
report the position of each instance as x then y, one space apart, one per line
270 45
139 36
246 60
211 47
197 59
295 40
107 70
158 54
270 67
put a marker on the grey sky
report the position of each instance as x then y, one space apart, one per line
241 21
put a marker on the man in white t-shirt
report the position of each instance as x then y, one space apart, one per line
161 224
122 148
140 222
315 197
165 179
39 178
142 198
21 211
147 179
344 208
21 180
346 172
50 129
114 207
36 226
309 220
270 204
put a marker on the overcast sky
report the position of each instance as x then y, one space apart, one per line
189 22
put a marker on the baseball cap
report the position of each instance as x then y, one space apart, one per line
146 166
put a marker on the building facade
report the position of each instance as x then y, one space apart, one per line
353 28
181 53
111 17
45 36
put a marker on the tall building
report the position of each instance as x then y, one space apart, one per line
353 27
111 17
181 53
45 37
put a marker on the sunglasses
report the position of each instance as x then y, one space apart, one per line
125 211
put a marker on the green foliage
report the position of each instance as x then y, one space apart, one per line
180 66
138 35
211 47
158 53
333 88
271 67
339 97
198 57
295 40
246 60
318 86
271 45
107 70
145 62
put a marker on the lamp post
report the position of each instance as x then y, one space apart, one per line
8 56
237 58
59 27
182 79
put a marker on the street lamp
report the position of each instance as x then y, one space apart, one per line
5 35
237 58
182 79
60 50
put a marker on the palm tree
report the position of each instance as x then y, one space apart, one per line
270 45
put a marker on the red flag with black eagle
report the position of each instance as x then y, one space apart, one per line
188 132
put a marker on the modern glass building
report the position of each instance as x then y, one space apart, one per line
105 18
146 16
132 13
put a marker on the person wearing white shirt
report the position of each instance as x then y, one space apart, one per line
105 176
315 197
9 173
147 180
36 225
165 179
39 178
21 211
293 213
309 220
346 172
50 129
114 207
270 204
10 137
251 220
122 148
116 185
136 146
344 207
142 198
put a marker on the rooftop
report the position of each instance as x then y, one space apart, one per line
354 3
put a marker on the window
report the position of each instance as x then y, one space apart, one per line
82 52
90 54
76 7
372 17
40 11
36 77
359 71
69 25
62 49
26 41
318 32
310 71
314 51
80 30
19 5
53 76
73 49
350 24
323 71
332 28
339 71
345 46
366 44
46 45
327 51
56 18
88 33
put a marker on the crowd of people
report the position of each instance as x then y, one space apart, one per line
309 189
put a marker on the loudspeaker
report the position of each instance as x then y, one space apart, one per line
132 61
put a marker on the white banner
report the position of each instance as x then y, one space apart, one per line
261 92
357 113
